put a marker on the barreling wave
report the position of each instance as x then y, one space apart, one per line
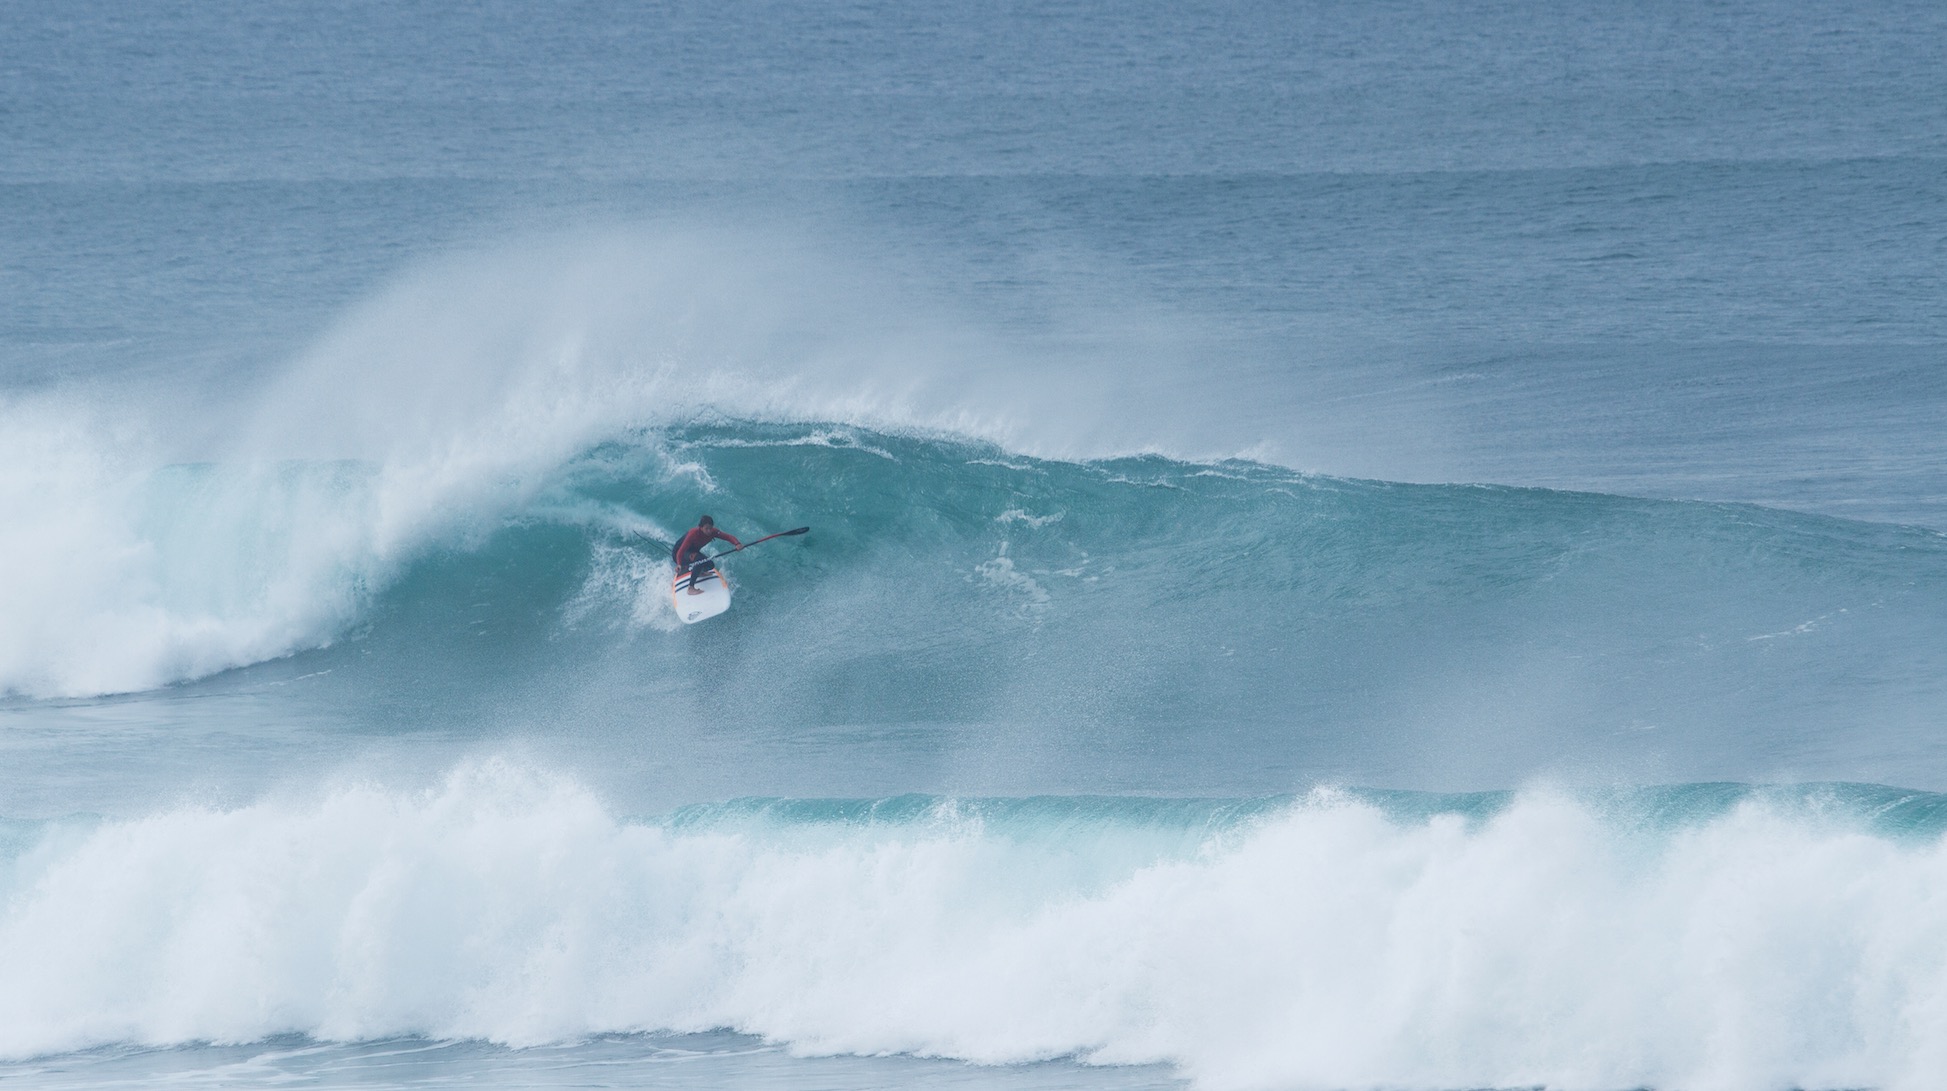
1709 936
474 477
948 581
954 581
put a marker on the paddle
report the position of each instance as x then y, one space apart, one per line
780 534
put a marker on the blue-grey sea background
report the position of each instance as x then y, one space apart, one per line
1355 545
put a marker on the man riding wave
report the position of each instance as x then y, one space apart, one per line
689 551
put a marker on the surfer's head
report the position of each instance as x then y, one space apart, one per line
706 521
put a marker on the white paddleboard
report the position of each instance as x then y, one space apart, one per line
712 596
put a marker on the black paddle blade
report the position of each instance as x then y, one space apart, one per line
789 533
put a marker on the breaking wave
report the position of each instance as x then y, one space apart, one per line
1709 936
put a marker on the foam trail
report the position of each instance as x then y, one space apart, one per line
1326 944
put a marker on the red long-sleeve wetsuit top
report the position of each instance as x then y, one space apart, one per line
696 539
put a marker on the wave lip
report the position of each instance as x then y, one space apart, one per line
1332 940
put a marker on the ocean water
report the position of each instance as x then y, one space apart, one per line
1388 545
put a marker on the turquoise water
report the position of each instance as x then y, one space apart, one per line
1390 545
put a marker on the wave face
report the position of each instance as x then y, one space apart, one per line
1708 936
1325 621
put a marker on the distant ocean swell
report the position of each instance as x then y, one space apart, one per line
1702 937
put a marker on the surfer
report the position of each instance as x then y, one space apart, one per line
689 551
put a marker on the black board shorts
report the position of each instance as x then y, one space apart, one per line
700 568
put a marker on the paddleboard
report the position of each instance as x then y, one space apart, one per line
712 596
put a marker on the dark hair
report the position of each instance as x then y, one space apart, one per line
706 521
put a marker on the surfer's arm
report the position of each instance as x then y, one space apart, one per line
731 538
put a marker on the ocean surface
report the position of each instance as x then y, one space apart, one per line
1398 544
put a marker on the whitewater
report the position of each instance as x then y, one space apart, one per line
1394 547
1315 942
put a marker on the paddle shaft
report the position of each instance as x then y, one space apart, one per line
780 534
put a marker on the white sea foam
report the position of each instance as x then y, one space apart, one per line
123 574
1026 593
1328 946
1016 515
628 585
